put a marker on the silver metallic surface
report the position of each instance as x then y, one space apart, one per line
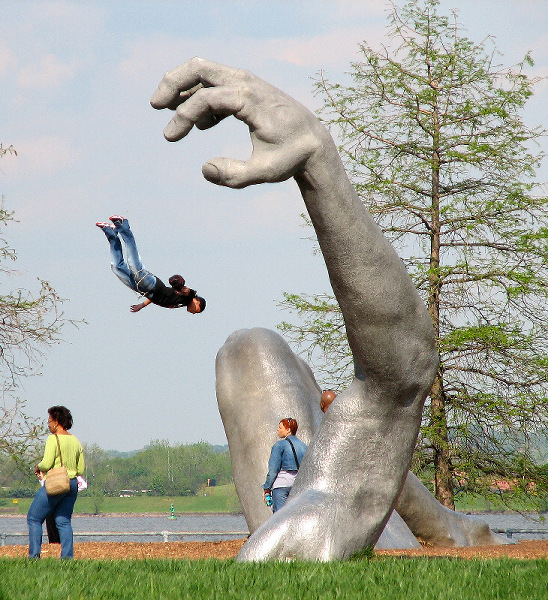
440 526
357 462
260 381
396 535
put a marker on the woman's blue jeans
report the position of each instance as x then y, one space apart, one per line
62 507
279 496
130 270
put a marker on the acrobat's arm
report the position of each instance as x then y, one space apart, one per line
138 307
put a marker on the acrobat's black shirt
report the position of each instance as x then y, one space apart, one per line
166 296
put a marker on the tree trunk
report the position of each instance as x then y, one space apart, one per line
443 480
438 418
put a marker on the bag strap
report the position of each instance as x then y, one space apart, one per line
294 453
59 446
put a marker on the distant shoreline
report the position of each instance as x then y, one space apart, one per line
160 514
135 514
232 514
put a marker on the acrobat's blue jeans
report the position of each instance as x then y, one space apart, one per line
279 496
62 507
130 270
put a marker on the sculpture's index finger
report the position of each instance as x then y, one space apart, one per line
177 84
173 83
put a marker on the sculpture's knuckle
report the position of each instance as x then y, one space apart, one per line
170 78
196 64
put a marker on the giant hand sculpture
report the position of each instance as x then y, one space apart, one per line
372 428
259 381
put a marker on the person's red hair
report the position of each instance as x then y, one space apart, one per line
290 424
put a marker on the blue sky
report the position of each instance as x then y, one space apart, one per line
75 80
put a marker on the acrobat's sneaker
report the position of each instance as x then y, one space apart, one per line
103 225
117 219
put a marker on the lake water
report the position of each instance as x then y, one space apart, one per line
517 521
205 523
135 523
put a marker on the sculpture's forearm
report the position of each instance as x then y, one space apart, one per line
388 328
373 428
358 460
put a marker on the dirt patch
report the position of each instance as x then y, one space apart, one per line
228 549
136 550
523 549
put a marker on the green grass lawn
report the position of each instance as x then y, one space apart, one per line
376 579
475 504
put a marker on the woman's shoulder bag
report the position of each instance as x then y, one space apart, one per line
57 479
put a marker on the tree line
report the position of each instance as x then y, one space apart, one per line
159 469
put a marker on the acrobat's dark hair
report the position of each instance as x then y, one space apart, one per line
62 415
202 303
177 282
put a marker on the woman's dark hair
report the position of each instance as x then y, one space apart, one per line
290 424
202 303
62 415
177 282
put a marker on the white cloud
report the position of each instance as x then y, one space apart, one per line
358 8
148 57
335 48
45 73
38 210
145 54
44 156
8 59
76 21
539 48
261 211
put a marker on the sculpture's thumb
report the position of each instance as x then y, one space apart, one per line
230 172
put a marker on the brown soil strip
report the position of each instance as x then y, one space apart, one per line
228 550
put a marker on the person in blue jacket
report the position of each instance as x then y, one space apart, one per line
285 458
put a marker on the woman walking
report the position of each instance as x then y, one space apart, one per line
62 448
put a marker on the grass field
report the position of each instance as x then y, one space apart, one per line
466 503
219 499
376 579
222 499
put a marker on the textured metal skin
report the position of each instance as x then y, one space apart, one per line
260 381
372 427
396 535
440 526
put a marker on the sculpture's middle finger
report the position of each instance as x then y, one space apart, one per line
221 101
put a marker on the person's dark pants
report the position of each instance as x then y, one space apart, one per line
51 528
